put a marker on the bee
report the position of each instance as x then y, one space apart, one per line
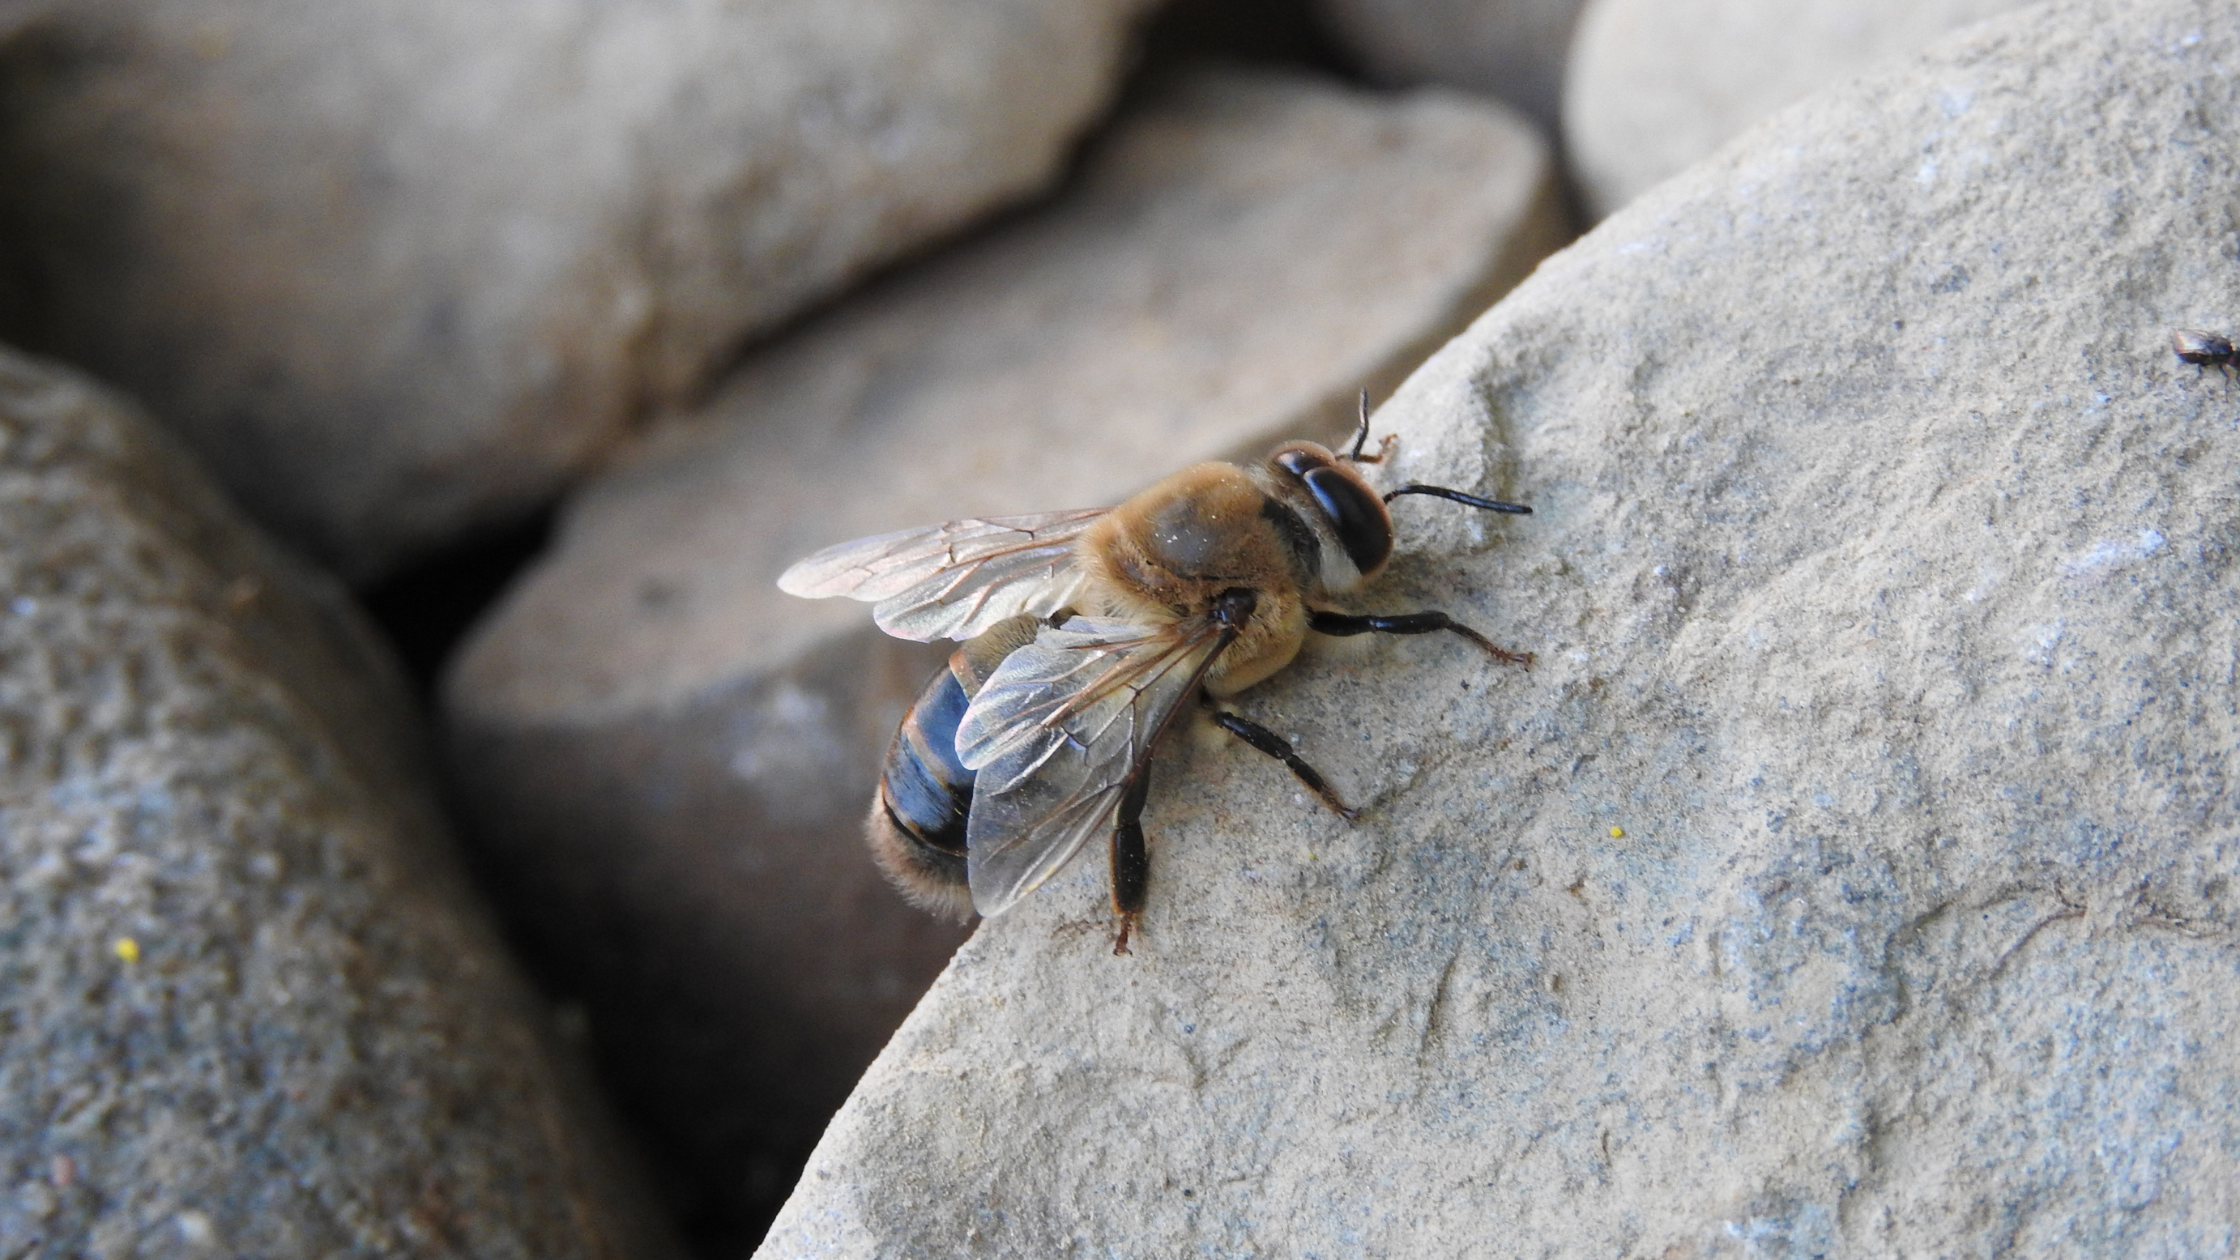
1086 635
2205 349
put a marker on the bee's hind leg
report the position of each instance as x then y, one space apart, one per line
1131 860
1276 746
1426 622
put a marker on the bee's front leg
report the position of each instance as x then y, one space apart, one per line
1131 860
1426 622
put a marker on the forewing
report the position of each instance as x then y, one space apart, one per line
955 580
1057 733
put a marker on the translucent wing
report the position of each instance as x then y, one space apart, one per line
1057 734
955 580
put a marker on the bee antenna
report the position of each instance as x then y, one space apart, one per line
1457 496
1361 433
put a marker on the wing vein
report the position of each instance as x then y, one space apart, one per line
1059 731
953 580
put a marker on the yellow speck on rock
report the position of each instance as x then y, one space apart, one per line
127 949
1617 833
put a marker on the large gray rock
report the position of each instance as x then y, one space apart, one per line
249 1009
399 269
1886 589
1657 84
672 760
1510 49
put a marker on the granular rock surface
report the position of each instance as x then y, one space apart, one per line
1655 85
670 760
246 1006
398 270
1854 874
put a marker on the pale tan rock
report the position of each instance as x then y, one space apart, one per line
399 269
1513 50
671 759
1886 588
1657 84
249 1006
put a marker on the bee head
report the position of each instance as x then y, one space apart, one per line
1340 499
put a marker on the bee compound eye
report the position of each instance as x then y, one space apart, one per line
1364 527
1299 461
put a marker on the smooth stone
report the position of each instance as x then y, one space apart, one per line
670 760
247 1004
1656 85
398 271
1512 50
1855 873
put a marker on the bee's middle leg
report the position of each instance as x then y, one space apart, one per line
1131 859
1276 746
1426 622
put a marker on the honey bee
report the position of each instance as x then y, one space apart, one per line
1086 634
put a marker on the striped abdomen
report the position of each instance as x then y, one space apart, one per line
917 822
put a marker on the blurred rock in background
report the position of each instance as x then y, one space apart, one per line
398 271
668 761
1858 871
1656 85
1511 50
247 1006
1241 32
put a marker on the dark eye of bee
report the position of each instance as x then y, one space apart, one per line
1363 527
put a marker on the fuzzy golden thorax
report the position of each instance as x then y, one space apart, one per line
1164 555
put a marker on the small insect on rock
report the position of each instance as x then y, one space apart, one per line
1085 636
2205 350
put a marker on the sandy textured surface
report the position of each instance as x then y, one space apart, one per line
1655 85
247 1007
